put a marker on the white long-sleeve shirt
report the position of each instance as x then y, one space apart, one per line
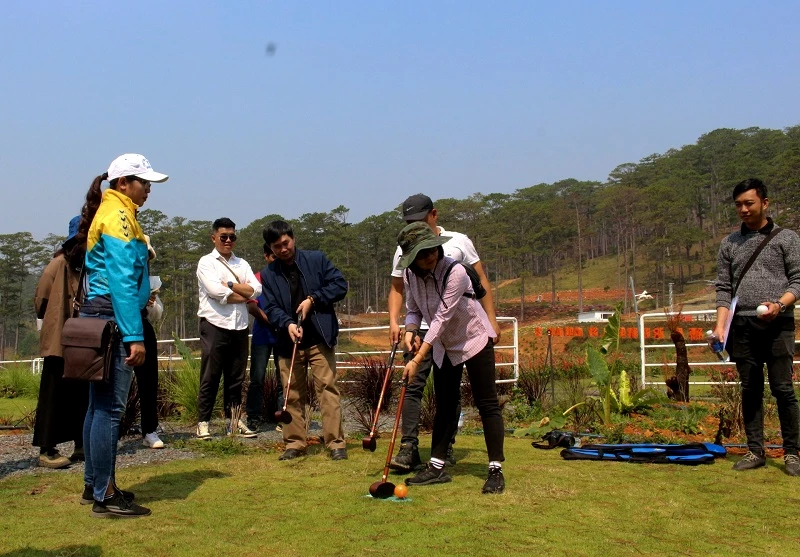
212 279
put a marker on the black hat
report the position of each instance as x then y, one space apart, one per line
417 207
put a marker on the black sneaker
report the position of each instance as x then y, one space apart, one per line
430 476
88 495
495 483
118 507
406 459
449 457
792 464
751 460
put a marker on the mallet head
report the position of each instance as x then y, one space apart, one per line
382 490
283 417
369 443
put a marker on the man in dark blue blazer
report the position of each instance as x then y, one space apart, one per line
301 287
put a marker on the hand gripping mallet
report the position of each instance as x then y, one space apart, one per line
282 416
369 443
384 489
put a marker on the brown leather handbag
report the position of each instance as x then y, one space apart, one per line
88 344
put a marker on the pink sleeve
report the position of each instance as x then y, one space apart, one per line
457 284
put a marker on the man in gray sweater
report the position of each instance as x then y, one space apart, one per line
759 337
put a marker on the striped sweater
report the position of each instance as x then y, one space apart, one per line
775 271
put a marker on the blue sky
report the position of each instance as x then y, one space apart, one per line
365 103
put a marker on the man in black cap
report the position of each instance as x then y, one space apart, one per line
418 208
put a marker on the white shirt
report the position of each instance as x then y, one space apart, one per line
458 247
212 278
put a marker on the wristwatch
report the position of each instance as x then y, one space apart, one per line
783 306
230 284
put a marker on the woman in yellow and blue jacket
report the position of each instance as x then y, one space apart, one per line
117 287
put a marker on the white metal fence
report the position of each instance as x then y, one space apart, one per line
696 323
345 360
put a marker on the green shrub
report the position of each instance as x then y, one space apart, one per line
534 380
684 419
18 381
183 385
428 406
518 412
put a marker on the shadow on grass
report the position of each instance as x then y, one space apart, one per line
173 486
66 551
15 466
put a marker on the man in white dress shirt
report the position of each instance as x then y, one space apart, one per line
226 282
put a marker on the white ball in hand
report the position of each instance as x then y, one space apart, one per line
762 309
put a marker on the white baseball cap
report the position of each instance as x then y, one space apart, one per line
131 164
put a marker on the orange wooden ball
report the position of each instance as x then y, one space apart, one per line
400 491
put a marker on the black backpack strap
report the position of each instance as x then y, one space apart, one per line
447 275
775 231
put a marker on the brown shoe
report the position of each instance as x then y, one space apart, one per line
55 460
291 454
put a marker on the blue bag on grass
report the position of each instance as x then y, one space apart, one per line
688 453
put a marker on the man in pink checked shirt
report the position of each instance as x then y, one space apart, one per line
460 335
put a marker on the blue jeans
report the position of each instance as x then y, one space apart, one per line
107 403
259 358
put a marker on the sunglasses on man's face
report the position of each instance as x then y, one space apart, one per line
225 237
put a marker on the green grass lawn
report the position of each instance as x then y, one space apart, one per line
254 505
13 409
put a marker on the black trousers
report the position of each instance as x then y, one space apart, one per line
61 408
447 384
412 405
147 380
755 343
223 353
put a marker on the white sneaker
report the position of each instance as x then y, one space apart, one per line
242 430
151 440
202 430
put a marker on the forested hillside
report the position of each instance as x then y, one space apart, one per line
668 210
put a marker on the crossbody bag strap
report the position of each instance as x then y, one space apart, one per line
222 260
77 300
761 246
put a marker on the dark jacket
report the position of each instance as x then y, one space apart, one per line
320 279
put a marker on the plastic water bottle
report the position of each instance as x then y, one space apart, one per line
461 420
716 345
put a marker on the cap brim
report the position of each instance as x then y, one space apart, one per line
153 176
415 217
408 259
